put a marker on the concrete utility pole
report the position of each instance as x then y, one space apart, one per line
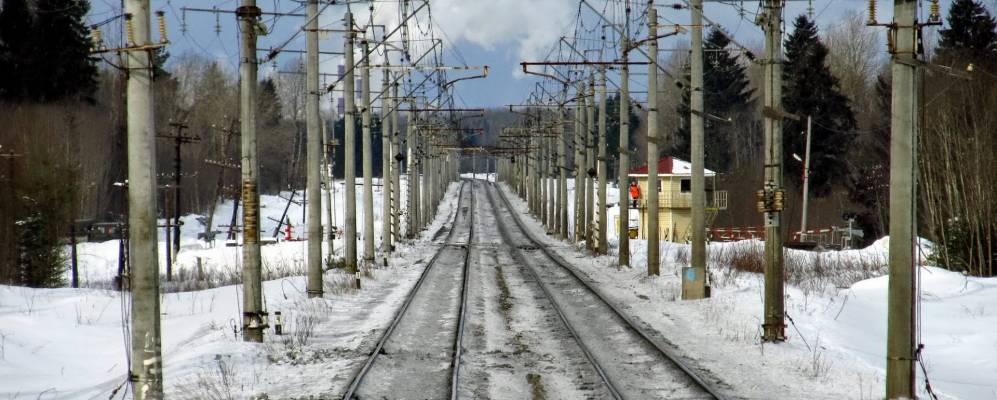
315 150
580 165
396 173
601 246
774 326
900 343
562 154
174 210
146 376
806 180
544 153
549 174
386 172
653 262
624 164
368 166
694 276
349 151
590 133
252 305
412 217
428 162
328 181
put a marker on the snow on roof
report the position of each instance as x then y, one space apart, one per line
670 166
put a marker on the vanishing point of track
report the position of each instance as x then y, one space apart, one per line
638 351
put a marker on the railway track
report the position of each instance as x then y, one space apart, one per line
630 362
419 355
414 358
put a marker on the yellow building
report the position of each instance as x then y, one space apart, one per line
674 199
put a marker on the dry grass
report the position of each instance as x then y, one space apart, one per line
810 271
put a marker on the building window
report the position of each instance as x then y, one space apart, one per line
685 186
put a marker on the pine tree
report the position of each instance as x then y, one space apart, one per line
970 34
613 129
811 89
16 49
62 67
268 104
726 96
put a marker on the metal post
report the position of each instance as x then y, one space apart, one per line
314 177
349 152
601 246
368 166
653 267
694 276
900 343
624 163
774 326
146 374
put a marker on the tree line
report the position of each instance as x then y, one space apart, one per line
841 78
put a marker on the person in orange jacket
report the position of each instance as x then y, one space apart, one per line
288 231
634 194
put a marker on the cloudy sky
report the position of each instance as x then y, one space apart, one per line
497 33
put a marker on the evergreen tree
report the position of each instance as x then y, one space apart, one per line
811 89
16 49
613 130
726 96
268 104
62 67
970 34
870 182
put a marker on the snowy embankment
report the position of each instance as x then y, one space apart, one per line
837 307
69 343
99 261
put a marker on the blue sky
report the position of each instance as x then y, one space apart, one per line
497 33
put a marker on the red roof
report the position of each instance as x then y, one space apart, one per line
664 167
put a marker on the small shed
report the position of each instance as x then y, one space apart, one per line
674 199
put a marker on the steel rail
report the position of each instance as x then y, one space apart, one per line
462 310
713 391
518 256
378 348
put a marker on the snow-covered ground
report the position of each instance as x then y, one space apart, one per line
99 261
837 339
69 343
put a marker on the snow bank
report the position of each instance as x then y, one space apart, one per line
836 345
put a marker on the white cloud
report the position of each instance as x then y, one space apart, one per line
527 26
530 26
